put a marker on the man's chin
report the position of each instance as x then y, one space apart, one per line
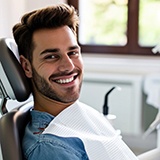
69 99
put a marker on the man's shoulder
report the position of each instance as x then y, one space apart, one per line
53 146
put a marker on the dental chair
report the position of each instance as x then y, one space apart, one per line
15 86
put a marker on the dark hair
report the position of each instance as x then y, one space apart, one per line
50 17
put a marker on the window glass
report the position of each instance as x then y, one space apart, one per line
103 22
149 22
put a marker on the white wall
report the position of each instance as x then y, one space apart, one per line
12 10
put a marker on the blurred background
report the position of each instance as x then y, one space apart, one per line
120 47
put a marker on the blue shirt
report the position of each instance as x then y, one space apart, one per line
38 146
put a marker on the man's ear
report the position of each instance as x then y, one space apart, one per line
26 65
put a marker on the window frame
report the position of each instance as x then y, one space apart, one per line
132 47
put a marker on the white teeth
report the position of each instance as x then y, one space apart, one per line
62 81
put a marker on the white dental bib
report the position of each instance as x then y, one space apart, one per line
100 139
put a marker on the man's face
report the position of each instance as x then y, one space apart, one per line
57 68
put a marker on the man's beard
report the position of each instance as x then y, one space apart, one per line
45 89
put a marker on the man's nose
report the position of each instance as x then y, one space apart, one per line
66 64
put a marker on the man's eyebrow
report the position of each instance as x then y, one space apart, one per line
73 47
54 50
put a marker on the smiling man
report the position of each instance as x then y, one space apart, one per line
61 127
56 70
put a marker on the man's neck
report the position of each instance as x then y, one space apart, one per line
45 104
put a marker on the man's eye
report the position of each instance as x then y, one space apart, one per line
50 57
74 53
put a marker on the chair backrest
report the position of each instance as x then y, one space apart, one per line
12 126
13 85
12 78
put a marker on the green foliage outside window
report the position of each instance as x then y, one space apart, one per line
104 22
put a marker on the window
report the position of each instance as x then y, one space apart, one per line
149 30
118 26
94 30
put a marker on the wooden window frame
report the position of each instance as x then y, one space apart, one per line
132 47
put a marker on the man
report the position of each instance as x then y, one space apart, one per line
61 127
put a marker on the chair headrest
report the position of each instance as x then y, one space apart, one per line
12 77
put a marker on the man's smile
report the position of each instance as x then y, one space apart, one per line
61 81
65 79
